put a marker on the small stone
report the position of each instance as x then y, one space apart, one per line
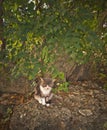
85 112
96 92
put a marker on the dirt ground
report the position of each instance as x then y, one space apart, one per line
84 107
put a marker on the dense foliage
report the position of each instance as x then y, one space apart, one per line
35 31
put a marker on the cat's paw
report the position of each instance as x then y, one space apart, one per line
43 101
40 101
47 104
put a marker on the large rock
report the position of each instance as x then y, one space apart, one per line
33 116
84 107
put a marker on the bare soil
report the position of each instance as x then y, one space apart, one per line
84 107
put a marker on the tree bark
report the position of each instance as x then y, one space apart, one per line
72 71
3 45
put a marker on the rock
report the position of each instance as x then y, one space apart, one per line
80 109
85 112
39 117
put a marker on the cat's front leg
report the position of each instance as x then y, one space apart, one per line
40 99
43 101
49 97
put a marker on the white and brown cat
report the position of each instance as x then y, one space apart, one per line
43 92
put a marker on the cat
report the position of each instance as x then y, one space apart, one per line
43 92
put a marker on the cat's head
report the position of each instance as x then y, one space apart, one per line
46 85
47 82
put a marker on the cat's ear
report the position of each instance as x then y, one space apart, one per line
54 80
41 79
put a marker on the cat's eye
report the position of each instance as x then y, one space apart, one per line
44 85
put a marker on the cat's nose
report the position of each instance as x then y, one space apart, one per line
47 87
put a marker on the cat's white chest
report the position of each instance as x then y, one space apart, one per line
45 90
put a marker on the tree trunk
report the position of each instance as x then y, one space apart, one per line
73 72
2 46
